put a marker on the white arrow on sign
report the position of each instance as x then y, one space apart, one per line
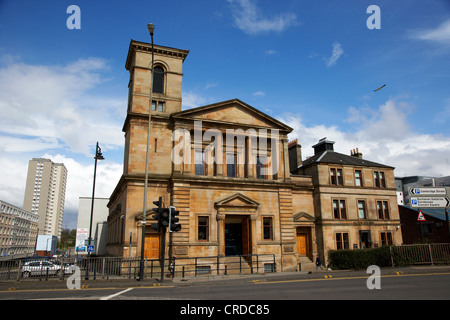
430 202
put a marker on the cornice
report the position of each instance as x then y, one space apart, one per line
157 49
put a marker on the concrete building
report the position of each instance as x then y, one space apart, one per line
18 231
45 193
99 223
227 168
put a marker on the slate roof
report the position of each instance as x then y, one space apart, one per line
333 157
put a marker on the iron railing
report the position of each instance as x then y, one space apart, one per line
416 254
94 268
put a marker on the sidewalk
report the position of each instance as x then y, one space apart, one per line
54 284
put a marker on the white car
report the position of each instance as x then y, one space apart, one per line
40 268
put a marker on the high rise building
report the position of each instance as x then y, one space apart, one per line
45 193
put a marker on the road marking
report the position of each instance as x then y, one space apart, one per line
358 277
116 294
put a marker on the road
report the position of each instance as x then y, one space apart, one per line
318 286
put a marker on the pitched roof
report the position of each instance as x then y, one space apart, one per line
333 157
238 111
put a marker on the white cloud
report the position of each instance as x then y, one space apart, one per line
440 33
192 100
248 18
259 94
52 105
382 135
335 55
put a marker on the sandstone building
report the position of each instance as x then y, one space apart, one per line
227 168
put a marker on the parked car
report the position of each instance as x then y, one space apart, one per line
40 268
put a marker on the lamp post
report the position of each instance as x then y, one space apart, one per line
98 156
151 29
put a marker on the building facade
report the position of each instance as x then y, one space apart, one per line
99 223
45 194
227 168
18 230
355 200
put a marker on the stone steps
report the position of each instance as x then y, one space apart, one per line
305 264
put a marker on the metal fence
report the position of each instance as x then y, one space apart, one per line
415 254
93 268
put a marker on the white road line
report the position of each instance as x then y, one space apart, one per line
115 294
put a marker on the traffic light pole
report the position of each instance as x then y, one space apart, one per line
163 250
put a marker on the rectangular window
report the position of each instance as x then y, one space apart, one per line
339 209
386 239
336 177
333 176
383 210
203 228
231 165
342 241
200 167
260 166
267 226
379 179
362 209
358 178
157 105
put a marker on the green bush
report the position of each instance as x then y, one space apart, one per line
359 259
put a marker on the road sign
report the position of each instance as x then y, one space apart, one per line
430 202
428 191
90 248
421 217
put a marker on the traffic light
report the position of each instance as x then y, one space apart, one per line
164 217
174 220
157 216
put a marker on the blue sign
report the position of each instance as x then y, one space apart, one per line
90 248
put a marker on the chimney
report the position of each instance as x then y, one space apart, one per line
356 153
323 145
295 155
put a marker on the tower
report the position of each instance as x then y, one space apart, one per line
126 201
166 99
45 194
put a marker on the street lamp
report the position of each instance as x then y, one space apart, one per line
98 156
151 29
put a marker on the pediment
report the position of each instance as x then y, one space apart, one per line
233 112
237 200
303 216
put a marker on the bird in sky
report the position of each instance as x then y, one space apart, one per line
379 88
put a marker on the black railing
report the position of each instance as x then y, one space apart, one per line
44 268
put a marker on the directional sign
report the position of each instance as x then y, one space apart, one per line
428 191
430 202
421 217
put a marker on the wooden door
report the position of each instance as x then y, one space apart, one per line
301 244
151 246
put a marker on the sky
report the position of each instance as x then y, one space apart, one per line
313 65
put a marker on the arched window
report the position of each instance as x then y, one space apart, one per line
158 80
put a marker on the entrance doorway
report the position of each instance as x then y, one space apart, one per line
301 244
365 239
237 235
151 246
